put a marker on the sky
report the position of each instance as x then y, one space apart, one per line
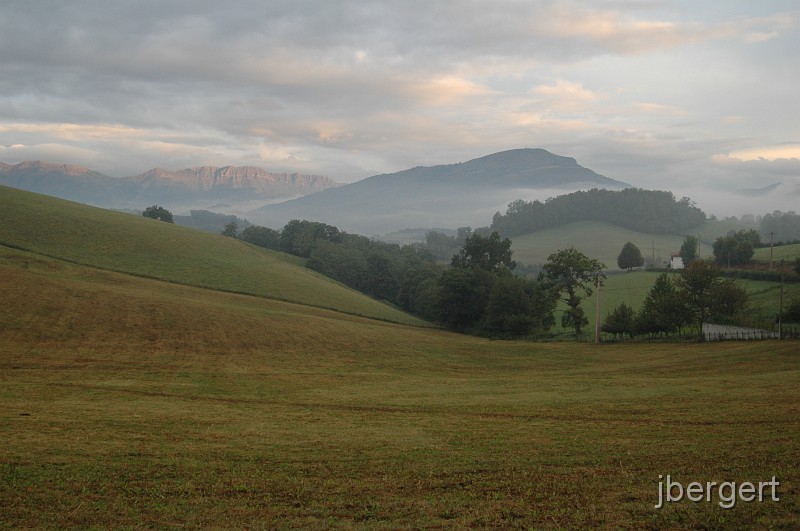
659 94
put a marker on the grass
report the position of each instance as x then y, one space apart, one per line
133 401
130 402
137 245
785 252
601 241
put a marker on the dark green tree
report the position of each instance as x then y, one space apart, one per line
707 295
572 274
663 311
463 293
300 237
689 250
262 237
488 253
621 321
159 213
737 248
630 257
519 307
231 230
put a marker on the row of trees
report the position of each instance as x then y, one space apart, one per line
696 297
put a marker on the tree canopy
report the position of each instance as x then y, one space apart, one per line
158 212
629 257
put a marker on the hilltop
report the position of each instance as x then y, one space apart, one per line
452 195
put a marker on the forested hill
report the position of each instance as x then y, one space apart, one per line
650 211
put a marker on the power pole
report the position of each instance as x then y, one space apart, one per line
597 313
780 311
771 248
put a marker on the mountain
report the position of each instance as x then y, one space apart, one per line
188 188
439 196
228 183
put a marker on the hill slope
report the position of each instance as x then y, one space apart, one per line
141 246
439 196
598 240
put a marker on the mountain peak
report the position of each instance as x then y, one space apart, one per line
42 166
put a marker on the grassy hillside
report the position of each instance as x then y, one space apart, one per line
129 402
786 252
141 246
601 241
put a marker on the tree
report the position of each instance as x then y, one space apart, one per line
572 273
300 237
737 248
262 237
707 295
488 253
231 230
630 257
663 310
620 321
518 307
697 284
159 213
462 296
689 250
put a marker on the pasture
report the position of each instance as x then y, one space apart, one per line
601 241
131 402
154 376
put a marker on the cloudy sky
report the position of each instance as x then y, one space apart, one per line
645 91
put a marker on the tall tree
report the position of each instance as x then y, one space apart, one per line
707 295
629 257
689 250
572 274
663 310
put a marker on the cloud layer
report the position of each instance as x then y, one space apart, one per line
657 93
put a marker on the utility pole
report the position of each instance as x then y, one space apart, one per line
653 243
780 311
771 248
597 312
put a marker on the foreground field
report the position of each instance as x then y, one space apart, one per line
127 402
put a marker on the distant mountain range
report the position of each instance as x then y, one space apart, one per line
439 196
452 195
188 187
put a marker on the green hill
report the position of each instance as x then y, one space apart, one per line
141 246
786 252
598 240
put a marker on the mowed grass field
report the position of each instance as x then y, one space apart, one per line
128 402
151 400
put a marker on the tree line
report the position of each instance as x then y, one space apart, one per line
698 295
650 211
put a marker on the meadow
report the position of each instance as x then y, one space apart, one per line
128 401
598 240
